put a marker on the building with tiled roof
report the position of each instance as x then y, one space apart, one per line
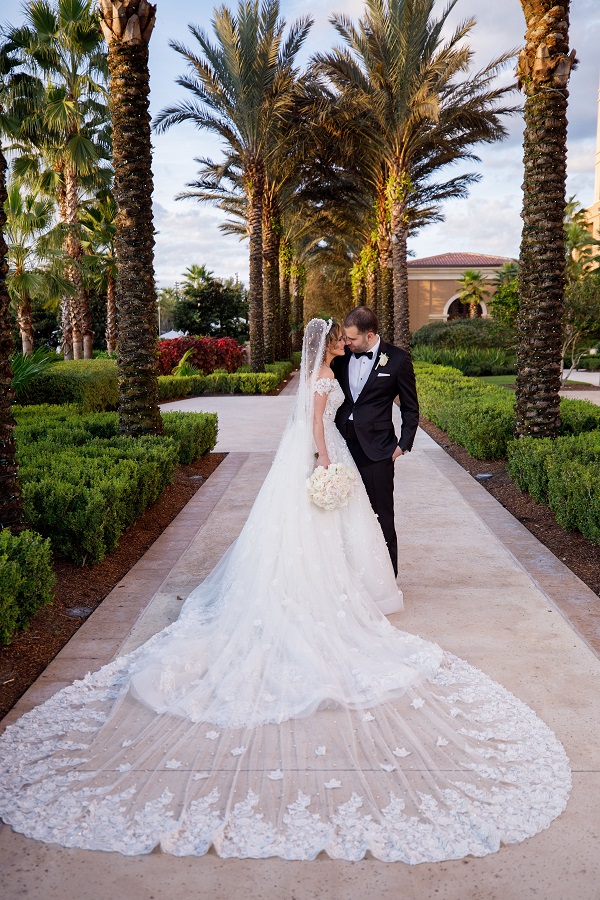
433 286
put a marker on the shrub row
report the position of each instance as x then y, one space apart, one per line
479 416
91 383
207 354
171 387
564 474
470 361
466 333
26 580
83 484
241 382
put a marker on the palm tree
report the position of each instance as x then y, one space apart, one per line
34 257
242 90
11 502
473 291
543 71
98 232
417 101
66 134
127 30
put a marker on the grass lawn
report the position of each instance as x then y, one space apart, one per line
507 381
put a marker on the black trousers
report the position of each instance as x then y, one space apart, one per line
378 479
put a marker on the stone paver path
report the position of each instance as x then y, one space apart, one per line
474 580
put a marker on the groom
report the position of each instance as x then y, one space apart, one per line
372 374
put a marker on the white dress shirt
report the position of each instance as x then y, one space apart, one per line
359 371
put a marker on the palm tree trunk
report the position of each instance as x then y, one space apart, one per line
271 297
11 503
298 283
81 315
386 282
372 287
66 324
25 325
543 71
111 314
127 30
287 321
398 186
255 181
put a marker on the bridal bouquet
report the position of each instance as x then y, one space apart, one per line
331 488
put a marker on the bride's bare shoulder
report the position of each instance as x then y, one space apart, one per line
326 372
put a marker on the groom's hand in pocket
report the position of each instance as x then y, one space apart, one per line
397 452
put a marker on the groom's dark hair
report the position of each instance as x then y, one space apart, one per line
363 319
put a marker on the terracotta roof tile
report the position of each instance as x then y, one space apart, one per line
460 260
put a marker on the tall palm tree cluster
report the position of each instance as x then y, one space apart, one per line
337 164
57 127
333 166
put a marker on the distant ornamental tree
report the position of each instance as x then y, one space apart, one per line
127 28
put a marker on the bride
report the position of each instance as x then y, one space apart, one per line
282 714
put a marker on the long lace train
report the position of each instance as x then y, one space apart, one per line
282 714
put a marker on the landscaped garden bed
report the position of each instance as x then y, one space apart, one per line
479 417
79 590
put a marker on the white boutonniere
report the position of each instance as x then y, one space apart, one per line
382 361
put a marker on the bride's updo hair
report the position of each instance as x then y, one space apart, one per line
334 333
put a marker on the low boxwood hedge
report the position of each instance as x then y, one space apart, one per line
564 474
91 383
174 388
468 360
480 416
26 580
83 484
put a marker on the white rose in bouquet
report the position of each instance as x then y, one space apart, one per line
332 487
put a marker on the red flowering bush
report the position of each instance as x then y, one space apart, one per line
208 354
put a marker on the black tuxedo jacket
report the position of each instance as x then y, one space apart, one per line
372 411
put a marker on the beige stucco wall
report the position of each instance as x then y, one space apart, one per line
430 291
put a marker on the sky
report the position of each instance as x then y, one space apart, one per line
488 221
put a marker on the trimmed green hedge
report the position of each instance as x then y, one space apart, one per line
468 334
470 361
173 388
480 416
91 383
564 474
83 484
26 580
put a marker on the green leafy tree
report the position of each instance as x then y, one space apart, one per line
211 306
504 303
581 318
98 221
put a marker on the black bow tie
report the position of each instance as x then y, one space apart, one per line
368 353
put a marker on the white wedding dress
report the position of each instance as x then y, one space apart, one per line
282 714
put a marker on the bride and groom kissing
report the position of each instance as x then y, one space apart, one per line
372 373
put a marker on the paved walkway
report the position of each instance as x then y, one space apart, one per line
474 579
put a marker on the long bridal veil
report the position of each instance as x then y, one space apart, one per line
283 715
